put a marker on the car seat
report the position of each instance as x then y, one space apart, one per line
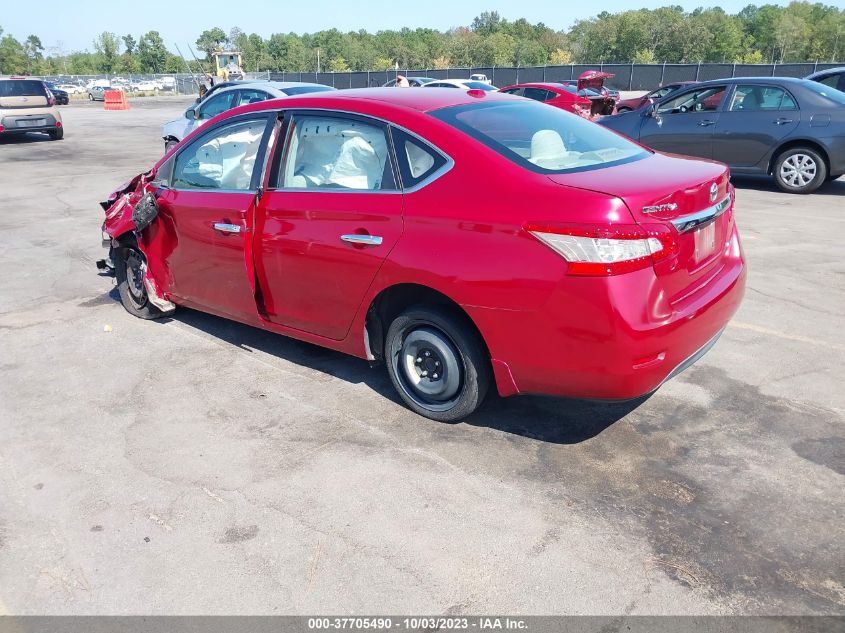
547 149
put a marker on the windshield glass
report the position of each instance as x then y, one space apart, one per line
301 90
826 91
541 138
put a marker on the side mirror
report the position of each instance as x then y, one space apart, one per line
651 109
190 114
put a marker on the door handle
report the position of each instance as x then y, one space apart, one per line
366 240
705 123
223 227
782 121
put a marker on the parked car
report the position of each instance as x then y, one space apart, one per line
554 94
98 93
586 266
791 129
464 84
832 77
26 105
71 89
144 86
479 77
231 97
626 105
60 95
416 82
590 84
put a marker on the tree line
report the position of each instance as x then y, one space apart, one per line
799 32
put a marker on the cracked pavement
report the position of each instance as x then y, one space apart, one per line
198 466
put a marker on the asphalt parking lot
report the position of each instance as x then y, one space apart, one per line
198 466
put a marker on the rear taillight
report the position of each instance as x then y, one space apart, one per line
58 124
2 128
604 250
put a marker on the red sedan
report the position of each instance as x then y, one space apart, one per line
466 239
557 95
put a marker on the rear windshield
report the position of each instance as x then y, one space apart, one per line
478 85
826 91
541 138
301 90
22 88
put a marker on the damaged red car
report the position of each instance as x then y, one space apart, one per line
586 266
590 85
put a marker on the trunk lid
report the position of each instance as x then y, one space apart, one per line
680 196
593 79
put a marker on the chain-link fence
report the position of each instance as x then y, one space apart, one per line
627 76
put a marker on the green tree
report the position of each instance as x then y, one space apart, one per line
210 41
152 53
34 51
129 44
107 46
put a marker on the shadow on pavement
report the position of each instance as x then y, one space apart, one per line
547 419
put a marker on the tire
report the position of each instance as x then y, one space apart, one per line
57 135
623 109
169 144
90 97
799 170
129 267
437 363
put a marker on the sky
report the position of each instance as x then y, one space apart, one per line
74 25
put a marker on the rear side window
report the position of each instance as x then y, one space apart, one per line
22 88
831 80
417 160
539 94
755 98
328 152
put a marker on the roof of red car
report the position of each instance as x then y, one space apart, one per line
422 99
536 84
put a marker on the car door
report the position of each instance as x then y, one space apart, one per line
206 206
683 124
330 215
753 122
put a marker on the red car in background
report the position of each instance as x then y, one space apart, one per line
557 95
586 266
590 84
626 105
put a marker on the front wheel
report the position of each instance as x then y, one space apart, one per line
90 97
800 170
437 363
130 267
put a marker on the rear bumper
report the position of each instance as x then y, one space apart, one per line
18 123
614 338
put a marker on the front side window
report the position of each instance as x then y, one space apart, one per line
701 100
217 104
755 98
223 159
327 152
250 96
540 138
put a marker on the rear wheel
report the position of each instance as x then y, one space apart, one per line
90 97
57 134
437 363
622 109
130 267
800 170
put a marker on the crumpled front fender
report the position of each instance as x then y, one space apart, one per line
122 201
